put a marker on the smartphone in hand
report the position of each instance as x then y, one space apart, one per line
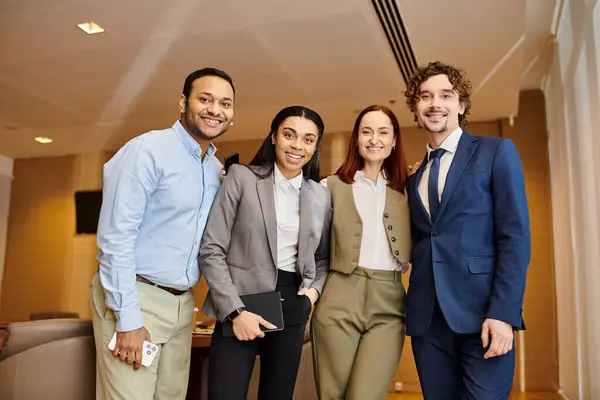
149 350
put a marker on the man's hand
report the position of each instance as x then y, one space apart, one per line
129 346
311 293
502 337
246 326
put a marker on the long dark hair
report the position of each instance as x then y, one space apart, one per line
265 156
394 167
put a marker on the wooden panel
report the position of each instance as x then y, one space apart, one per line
541 338
40 231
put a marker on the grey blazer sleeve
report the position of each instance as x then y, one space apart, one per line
212 257
322 255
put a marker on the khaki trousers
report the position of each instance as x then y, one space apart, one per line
358 332
168 319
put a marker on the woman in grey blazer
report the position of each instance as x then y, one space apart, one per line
268 230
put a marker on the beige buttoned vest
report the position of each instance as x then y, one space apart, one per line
346 231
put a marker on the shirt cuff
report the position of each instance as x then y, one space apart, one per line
129 320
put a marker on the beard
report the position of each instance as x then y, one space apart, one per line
191 125
434 128
431 129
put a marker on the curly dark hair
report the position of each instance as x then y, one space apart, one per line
457 78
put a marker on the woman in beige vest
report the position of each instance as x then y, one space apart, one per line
358 325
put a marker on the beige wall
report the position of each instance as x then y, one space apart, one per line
49 267
41 222
572 92
540 339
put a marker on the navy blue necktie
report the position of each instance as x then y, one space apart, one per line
432 185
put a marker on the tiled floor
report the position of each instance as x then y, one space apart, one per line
514 396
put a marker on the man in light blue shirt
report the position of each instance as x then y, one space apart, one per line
158 191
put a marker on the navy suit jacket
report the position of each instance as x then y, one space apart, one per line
474 256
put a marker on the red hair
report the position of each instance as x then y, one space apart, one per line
394 167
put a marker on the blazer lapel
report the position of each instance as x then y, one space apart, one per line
266 197
306 212
464 152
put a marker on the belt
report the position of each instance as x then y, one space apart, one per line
378 274
168 289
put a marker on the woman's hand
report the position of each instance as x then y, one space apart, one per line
246 326
413 168
311 293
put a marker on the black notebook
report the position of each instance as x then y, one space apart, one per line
267 305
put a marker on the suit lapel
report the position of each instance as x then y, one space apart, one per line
266 197
306 212
464 152
415 188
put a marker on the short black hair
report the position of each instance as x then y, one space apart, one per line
191 78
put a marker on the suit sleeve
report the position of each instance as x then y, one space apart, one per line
322 255
212 256
512 236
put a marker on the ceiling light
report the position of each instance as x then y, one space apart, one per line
90 28
42 139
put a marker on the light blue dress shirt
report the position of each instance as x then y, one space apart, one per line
157 195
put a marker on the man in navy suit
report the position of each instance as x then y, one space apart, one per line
471 246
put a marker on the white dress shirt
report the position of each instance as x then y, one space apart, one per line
369 198
287 211
450 145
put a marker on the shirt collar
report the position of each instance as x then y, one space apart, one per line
189 143
360 175
296 182
450 144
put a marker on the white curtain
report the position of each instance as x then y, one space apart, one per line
6 168
572 92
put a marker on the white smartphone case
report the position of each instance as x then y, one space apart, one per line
149 350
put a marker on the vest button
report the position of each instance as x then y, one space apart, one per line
393 239
397 253
387 215
389 227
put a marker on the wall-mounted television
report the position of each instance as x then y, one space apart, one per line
87 211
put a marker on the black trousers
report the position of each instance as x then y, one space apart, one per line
232 361
451 365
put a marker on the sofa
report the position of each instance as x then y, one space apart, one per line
48 359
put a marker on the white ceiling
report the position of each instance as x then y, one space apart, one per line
92 93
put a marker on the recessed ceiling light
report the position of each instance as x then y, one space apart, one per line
90 28
42 139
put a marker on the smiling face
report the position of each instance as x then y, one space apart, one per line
295 143
375 137
438 105
208 111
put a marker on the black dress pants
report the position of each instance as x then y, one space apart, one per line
232 360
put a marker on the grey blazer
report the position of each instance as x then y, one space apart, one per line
238 253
